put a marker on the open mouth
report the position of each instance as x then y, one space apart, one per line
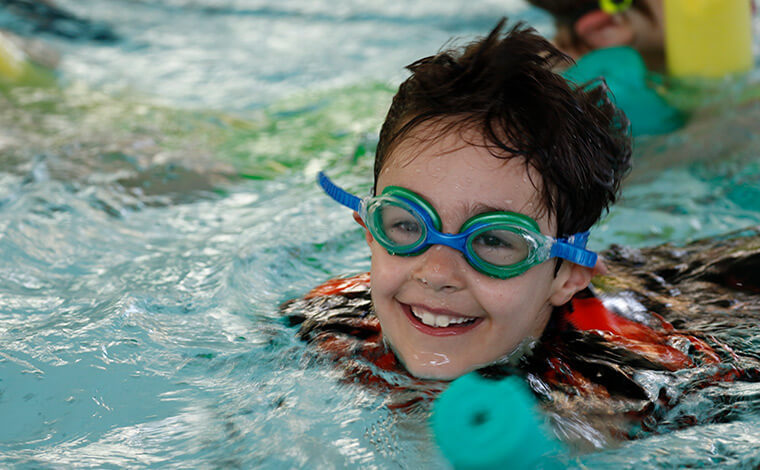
438 323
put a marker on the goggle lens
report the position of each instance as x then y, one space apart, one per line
399 226
395 225
500 247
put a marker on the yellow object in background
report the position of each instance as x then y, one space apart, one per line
24 63
708 38
13 62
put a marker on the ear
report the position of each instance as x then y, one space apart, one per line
600 268
598 30
570 279
367 235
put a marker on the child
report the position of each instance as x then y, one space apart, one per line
587 25
490 143
489 172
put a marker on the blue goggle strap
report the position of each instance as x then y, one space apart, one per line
573 248
340 195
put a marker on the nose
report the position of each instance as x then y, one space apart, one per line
441 268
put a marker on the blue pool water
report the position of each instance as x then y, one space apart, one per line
159 204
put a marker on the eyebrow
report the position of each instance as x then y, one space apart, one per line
480 208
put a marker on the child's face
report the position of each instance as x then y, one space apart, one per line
460 181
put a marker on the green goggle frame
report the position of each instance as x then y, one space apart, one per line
526 246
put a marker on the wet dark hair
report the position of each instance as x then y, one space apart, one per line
503 87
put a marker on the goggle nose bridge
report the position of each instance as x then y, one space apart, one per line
458 241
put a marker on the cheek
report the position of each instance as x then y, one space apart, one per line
522 301
388 272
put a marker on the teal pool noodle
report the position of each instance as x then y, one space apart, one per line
480 423
626 75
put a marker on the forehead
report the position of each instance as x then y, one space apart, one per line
458 174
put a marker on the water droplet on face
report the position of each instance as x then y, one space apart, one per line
439 360
431 358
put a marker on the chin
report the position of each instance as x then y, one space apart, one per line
452 371
444 372
435 374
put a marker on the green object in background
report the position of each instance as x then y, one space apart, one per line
626 75
488 424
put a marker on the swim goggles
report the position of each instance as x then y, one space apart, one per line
615 6
611 7
498 244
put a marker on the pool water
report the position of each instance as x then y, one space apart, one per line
158 204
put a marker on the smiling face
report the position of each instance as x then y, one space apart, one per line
442 317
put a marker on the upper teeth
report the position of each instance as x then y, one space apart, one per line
431 319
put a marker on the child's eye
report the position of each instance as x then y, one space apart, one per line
500 247
406 226
400 226
492 241
409 226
